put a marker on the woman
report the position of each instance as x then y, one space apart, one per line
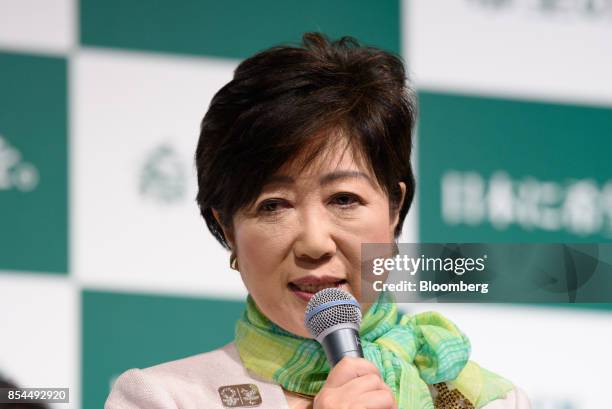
302 157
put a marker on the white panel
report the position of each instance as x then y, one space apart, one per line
40 332
543 49
38 25
559 356
135 223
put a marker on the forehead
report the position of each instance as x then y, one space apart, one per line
328 156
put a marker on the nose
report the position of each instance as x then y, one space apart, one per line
314 240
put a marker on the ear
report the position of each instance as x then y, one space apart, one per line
227 231
402 186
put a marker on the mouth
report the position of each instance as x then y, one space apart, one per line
305 288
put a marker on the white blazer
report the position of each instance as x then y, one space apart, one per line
217 379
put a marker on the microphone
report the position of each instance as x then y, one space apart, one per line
333 317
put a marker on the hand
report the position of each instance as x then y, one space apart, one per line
354 383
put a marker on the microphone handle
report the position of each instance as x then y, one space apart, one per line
340 343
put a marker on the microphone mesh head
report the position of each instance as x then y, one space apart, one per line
340 313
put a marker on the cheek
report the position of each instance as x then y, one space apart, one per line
260 250
373 226
380 228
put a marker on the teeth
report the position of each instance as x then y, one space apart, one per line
311 288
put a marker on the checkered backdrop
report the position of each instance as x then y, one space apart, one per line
105 262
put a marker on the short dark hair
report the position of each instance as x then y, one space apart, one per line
280 99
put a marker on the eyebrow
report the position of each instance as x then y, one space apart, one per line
325 179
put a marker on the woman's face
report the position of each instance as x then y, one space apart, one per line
304 233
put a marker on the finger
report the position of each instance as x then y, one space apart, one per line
388 388
366 383
379 399
349 368
391 392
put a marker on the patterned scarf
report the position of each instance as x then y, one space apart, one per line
409 351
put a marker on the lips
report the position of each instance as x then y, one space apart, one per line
306 287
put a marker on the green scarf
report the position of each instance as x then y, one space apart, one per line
409 351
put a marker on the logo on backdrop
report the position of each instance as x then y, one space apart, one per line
163 177
581 9
15 172
579 206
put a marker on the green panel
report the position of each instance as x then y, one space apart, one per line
234 28
33 164
556 157
123 331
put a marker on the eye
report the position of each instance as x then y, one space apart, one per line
346 200
270 206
